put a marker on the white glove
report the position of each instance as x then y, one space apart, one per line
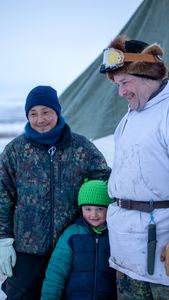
7 256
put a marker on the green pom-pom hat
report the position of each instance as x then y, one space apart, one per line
94 192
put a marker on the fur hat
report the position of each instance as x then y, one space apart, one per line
43 95
152 70
94 192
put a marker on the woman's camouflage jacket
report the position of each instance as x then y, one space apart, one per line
39 187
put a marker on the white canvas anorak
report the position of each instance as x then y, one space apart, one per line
140 172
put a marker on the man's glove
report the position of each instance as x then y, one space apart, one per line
7 256
165 257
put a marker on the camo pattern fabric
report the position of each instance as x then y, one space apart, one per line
38 193
130 289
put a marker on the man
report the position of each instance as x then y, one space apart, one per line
138 222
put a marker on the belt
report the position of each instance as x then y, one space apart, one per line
145 206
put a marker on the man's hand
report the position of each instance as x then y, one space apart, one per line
165 257
7 256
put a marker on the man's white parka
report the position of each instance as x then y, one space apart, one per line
140 172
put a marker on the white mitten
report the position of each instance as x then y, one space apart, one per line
7 256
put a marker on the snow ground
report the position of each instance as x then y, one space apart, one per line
106 146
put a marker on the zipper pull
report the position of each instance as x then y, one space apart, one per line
52 151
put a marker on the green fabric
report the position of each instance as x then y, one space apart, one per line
91 104
94 192
99 230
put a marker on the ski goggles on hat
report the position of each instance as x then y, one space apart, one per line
114 59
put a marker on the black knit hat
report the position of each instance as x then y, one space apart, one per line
43 95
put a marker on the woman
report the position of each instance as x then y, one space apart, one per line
41 172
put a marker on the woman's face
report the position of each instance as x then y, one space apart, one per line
42 118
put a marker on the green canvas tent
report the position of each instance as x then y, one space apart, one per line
91 104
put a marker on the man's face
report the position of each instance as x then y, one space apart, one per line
135 89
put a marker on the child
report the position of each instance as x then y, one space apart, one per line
79 268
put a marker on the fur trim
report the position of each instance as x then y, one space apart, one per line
119 43
157 71
154 49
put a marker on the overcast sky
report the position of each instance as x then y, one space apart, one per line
52 42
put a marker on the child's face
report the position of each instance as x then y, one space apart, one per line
94 215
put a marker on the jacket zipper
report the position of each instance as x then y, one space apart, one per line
95 266
126 120
52 152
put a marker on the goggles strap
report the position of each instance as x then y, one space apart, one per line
136 57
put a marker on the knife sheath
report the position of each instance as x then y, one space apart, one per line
151 248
